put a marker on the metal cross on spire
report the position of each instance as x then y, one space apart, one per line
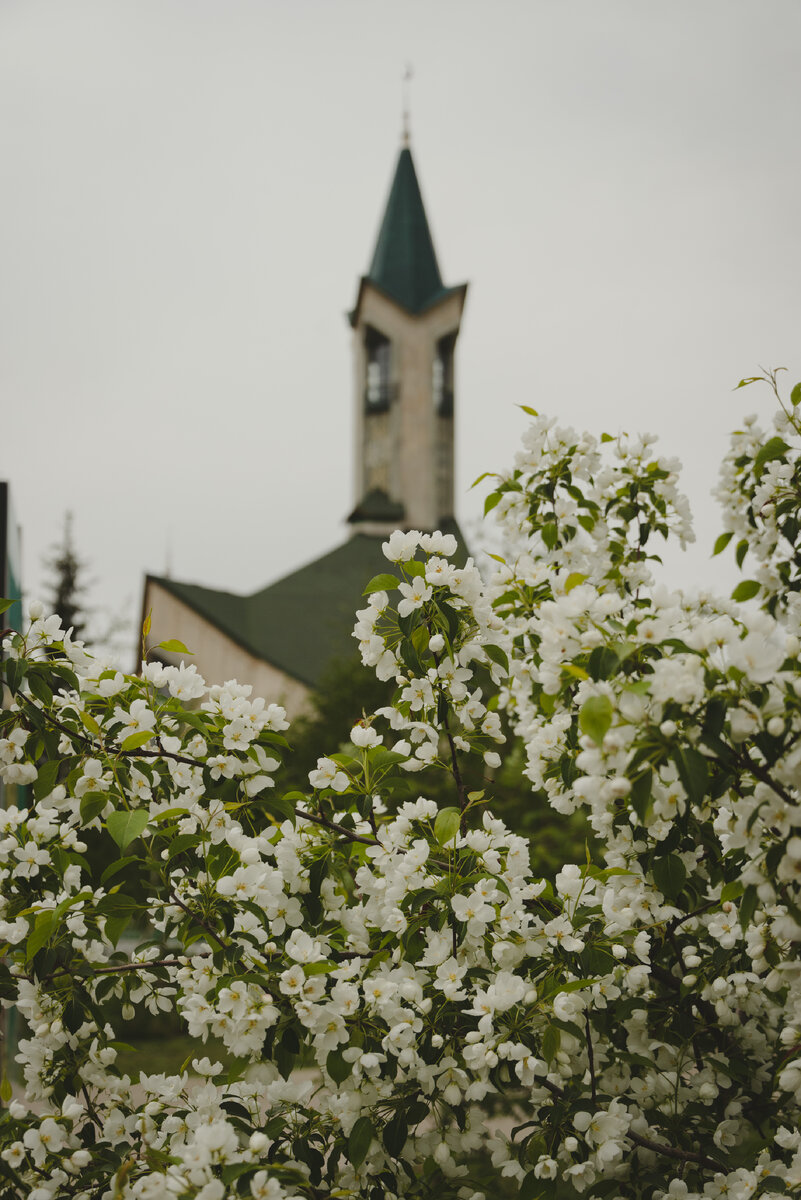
407 77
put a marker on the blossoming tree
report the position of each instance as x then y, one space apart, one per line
380 972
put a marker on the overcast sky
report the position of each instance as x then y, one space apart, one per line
191 189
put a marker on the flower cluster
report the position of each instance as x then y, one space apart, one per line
383 975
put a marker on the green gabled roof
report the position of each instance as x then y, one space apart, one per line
404 264
304 621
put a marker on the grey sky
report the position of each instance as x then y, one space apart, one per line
192 187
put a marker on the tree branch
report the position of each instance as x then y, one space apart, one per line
764 776
590 1056
221 942
332 825
675 1153
115 968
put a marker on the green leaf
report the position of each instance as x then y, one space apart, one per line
774 448
669 875
395 1135
5 604
447 825
549 534
46 779
531 1188
748 906
5 1090
337 1067
482 476
722 542
39 689
113 868
693 771
551 1041
92 803
126 826
42 929
492 499
595 717
573 580
359 1141
731 891
640 795
795 400
137 739
532 412
184 841
498 656
278 806
115 928
746 590
322 967
88 721
173 646
606 437
381 583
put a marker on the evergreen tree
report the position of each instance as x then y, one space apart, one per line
67 588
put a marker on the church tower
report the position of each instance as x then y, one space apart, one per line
405 325
283 638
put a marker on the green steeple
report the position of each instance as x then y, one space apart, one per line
404 264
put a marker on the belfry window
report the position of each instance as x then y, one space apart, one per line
378 391
442 376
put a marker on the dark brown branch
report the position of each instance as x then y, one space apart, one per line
647 1143
674 922
457 774
675 1153
764 776
332 825
591 1057
193 762
90 1108
115 968
114 752
224 945
135 966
